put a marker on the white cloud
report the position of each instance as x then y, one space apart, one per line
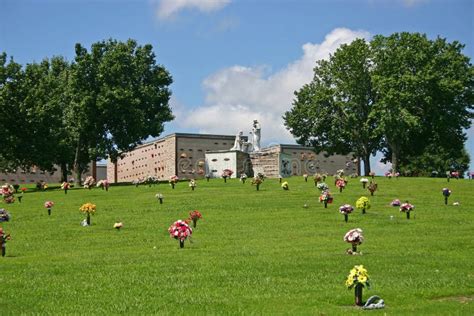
237 95
169 8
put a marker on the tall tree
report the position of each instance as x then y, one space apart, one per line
424 95
119 96
334 112
31 113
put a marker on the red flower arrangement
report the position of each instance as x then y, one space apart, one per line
180 230
48 205
341 184
406 208
325 198
195 216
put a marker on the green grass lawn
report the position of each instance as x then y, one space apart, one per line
254 252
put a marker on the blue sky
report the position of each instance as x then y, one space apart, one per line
232 61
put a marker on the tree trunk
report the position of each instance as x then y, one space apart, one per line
77 166
64 172
367 165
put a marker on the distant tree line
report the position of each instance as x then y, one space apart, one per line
67 114
404 95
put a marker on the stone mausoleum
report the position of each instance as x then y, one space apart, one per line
192 156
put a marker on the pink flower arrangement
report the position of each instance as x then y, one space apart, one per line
406 207
180 230
395 202
195 215
340 183
355 238
48 204
227 173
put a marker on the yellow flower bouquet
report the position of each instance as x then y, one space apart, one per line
358 278
88 209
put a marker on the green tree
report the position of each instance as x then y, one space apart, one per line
32 107
118 97
424 96
334 113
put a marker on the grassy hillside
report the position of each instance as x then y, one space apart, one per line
254 251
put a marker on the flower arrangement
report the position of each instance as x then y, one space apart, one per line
118 225
346 209
226 173
65 186
455 174
180 230
7 193
317 178
48 205
388 174
257 181
4 215
364 182
305 177
395 202
195 216
192 184
446 194
372 187
23 190
322 186
89 182
103 184
151 180
325 198
341 184
173 180
88 209
243 177
285 186
160 197
363 203
358 278
406 208
355 238
3 241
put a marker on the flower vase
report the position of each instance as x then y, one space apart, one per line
172 185
445 200
4 249
194 222
49 211
181 243
363 210
346 217
340 190
372 193
225 179
161 200
325 204
408 215
88 220
243 180
107 189
363 185
354 248
65 191
305 179
258 187
280 180
207 178
19 199
192 188
358 294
